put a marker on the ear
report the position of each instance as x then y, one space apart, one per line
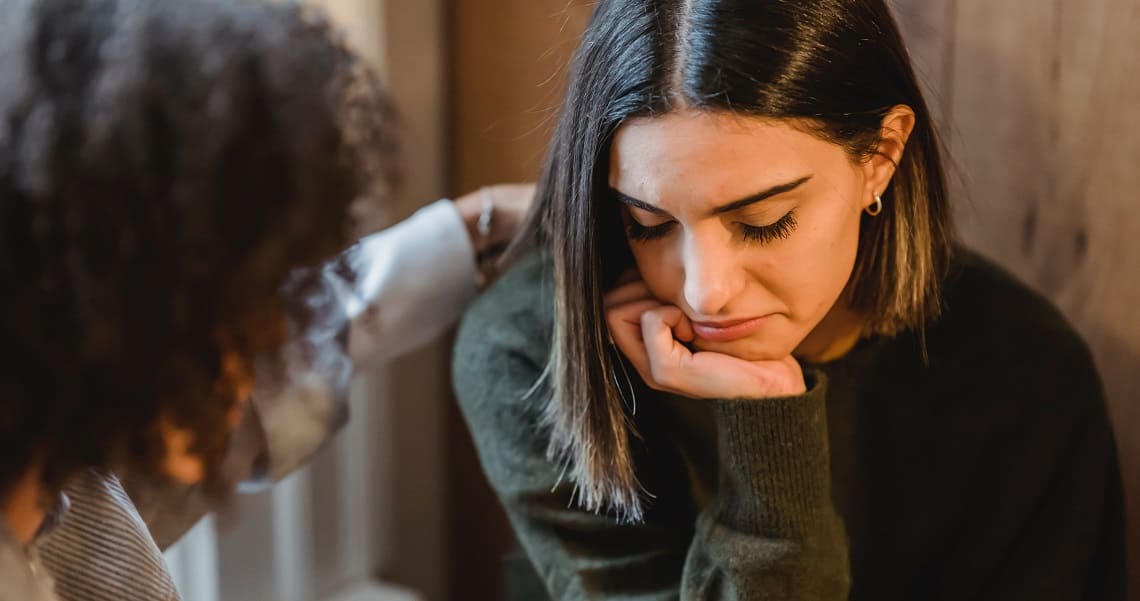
880 167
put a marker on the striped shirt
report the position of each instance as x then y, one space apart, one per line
102 550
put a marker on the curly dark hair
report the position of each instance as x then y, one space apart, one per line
164 165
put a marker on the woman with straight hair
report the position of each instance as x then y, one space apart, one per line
741 356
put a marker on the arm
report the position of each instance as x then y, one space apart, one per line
771 532
410 283
392 292
413 281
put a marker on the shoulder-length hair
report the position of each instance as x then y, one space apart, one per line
838 65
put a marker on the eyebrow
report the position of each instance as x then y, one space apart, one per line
728 208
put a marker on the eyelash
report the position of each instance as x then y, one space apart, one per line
779 230
763 234
642 233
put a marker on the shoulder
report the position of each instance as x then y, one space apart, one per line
986 302
516 312
1006 332
498 366
504 338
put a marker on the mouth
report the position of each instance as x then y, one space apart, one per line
728 330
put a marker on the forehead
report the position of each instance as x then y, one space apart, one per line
713 155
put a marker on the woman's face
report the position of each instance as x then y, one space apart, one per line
749 225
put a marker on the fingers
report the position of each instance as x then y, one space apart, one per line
666 355
624 324
652 335
626 319
624 307
647 331
680 324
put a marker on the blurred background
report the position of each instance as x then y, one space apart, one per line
1038 102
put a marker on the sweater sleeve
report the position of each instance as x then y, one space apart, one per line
771 532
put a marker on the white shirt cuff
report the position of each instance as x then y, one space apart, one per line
414 280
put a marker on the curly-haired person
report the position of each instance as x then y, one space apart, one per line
176 184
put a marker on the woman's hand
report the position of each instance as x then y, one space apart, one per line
509 204
493 216
652 335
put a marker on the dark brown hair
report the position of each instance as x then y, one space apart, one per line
837 65
164 165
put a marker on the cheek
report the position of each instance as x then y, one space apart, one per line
658 269
837 245
810 272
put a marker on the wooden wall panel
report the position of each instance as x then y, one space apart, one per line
508 74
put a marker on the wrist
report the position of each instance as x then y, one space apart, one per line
770 379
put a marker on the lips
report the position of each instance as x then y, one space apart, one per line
728 330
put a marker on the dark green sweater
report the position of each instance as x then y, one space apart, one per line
987 473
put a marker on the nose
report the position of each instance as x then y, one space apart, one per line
711 277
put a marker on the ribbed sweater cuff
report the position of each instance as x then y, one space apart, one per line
774 462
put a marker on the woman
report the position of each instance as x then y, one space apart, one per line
145 262
802 389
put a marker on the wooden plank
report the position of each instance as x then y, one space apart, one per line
509 61
928 29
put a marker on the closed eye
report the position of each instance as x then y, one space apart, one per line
764 234
645 233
